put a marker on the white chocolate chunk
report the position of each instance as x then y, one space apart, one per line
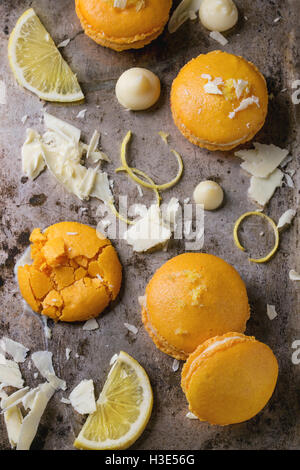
148 232
90 325
184 11
13 421
28 399
262 160
31 422
133 329
219 38
244 104
43 362
262 189
175 365
61 150
82 398
294 276
10 373
63 128
33 162
64 43
14 349
14 398
286 218
211 88
191 415
271 312
2 92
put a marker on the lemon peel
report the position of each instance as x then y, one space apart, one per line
144 175
118 215
132 175
275 229
164 136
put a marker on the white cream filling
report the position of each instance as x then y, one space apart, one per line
218 343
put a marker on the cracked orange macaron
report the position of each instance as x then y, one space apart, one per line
219 100
229 379
74 275
129 24
193 297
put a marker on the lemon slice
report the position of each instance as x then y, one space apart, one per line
123 408
38 65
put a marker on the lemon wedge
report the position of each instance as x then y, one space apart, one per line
123 408
38 65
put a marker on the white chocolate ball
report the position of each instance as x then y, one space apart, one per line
218 15
138 89
210 194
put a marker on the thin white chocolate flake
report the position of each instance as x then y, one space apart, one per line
191 415
262 189
64 43
2 92
217 36
81 114
294 276
262 160
286 218
10 373
175 365
90 325
31 422
82 398
14 349
271 312
133 329
245 103
43 362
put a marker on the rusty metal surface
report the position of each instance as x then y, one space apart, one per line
25 205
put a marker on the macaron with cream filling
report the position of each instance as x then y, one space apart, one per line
193 297
219 100
229 379
124 24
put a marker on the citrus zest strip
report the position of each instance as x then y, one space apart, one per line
142 173
117 214
275 229
159 187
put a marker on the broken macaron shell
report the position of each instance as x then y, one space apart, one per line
74 275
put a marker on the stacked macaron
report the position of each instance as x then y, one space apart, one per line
229 379
123 25
191 298
196 308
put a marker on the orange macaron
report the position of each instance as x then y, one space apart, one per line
75 272
229 378
193 297
127 24
219 100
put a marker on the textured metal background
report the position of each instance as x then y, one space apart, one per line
25 205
